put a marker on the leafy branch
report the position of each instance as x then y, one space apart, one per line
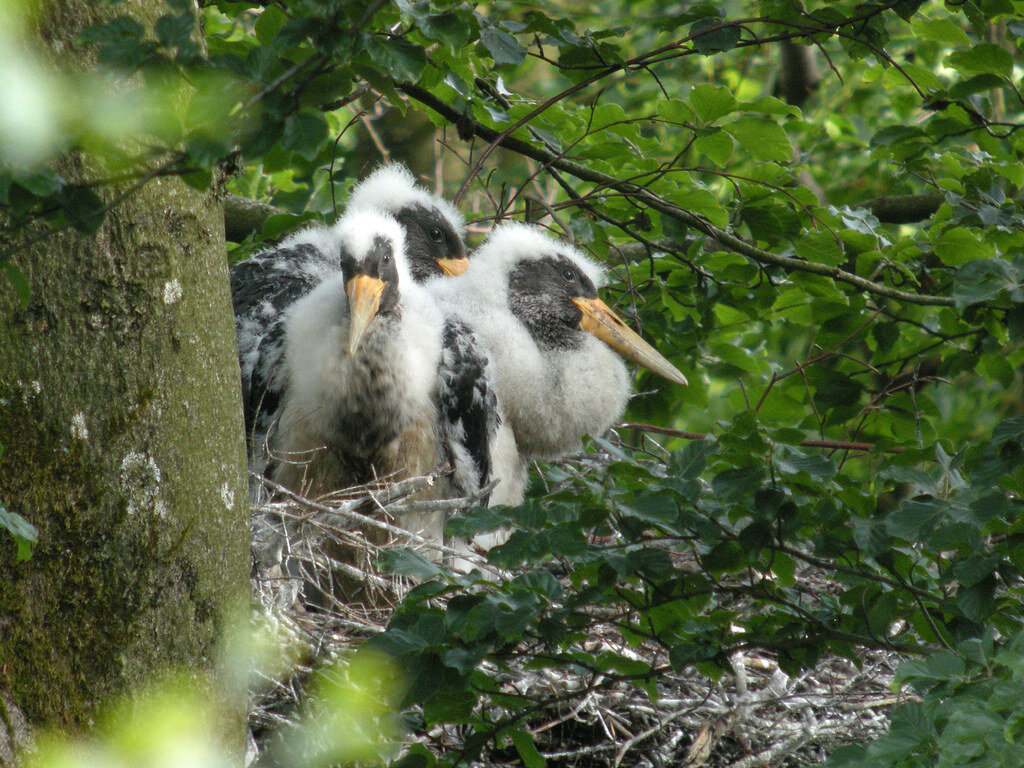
663 206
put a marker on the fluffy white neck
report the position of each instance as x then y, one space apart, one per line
355 407
551 398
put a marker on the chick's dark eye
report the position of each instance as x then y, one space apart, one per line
569 274
436 235
386 258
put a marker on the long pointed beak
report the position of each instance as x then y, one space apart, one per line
363 301
599 320
453 267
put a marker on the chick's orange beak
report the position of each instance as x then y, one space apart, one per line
453 267
363 302
599 320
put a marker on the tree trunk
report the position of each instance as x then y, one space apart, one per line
122 442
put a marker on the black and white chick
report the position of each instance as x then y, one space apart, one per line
263 288
361 358
532 302
266 285
474 437
433 226
380 383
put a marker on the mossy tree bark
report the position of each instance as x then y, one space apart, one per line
122 440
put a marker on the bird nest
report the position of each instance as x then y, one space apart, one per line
755 715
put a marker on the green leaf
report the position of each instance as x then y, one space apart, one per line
176 31
940 30
770 105
40 183
673 16
448 705
659 508
790 461
713 35
885 335
675 111
24 533
120 42
977 601
405 562
703 203
976 84
985 58
717 144
897 134
305 133
958 245
83 208
463 660
689 462
683 655
820 247
606 114
762 139
732 484
578 61
454 29
205 148
504 48
269 21
118 29
711 102
18 281
650 562
527 750
771 222
397 57
755 537
939 667
982 280
834 389
913 520
907 8
784 568
1008 429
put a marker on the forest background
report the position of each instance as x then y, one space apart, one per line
813 209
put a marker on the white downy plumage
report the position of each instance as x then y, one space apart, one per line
268 283
532 302
392 188
349 416
552 397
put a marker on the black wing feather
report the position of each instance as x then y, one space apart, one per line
468 407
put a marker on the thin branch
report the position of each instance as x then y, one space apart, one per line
662 206
835 445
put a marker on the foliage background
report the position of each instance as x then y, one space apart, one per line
839 262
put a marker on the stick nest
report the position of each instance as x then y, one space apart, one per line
753 717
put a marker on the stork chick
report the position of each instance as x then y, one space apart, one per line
433 226
361 363
473 436
266 285
532 301
263 288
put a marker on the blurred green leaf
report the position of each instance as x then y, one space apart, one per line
24 533
504 48
712 35
527 750
984 58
